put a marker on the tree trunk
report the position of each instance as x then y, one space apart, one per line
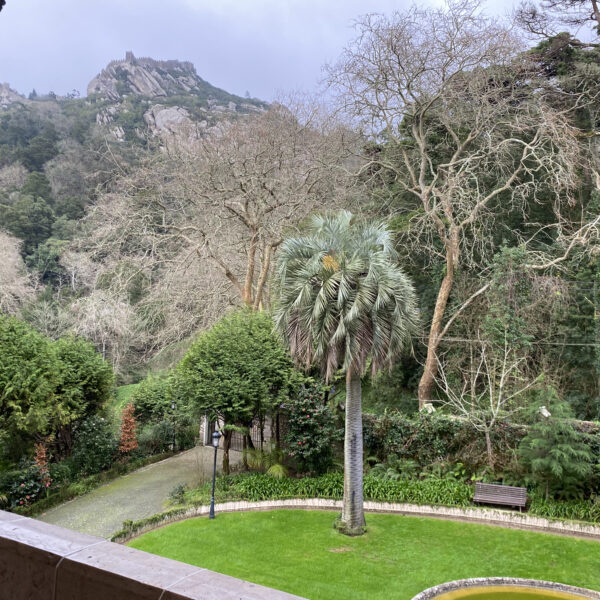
226 443
244 454
490 450
261 421
431 362
264 274
247 295
353 518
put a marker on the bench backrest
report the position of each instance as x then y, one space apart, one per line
494 490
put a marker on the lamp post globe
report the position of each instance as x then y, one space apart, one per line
216 436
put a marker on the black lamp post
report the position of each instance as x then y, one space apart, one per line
216 436
173 413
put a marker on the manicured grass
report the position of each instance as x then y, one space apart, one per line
299 552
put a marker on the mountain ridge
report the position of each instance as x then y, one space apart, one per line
148 77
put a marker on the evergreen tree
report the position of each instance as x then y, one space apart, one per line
554 453
37 186
235 372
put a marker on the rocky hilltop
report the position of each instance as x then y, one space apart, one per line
149 78
132 100
8 95
163 97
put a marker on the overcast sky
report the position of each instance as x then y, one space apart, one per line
259 46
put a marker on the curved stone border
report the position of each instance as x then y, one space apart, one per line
489 516
452 586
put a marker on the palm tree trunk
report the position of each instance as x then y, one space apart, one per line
353 518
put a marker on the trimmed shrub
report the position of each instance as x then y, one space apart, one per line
62 472
24 486
428 439
157 438
312 430
152 400
95 446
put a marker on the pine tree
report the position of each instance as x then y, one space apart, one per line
128 440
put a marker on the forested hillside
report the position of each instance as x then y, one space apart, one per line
59 159
135 218
140 213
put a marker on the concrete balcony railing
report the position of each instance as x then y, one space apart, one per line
39 561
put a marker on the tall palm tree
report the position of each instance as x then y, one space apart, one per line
343 302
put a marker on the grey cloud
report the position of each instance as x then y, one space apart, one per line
257 45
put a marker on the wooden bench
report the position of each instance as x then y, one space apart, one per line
507 495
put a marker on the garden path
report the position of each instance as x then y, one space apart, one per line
135 496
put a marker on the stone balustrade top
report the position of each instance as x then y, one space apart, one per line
39 561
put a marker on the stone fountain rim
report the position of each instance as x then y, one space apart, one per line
450 586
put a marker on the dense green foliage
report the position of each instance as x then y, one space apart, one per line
162 416
26 137
312 430
152 399
29 377
423 438
235 372
47 388
157 437
23 486
86 379
257 486
95 446
397 558
555 454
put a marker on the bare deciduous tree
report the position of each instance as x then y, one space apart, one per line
201 222
12 176
107 321
252 179
469 134
542 19
487 389
16 285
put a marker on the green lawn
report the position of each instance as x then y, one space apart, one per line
122 396
299 552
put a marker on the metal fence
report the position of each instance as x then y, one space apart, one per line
270 430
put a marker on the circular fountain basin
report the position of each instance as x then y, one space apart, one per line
501 588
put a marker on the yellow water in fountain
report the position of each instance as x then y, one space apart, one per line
507 592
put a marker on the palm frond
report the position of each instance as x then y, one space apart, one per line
343 300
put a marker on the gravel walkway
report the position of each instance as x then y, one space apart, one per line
135 496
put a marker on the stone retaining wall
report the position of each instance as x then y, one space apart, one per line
491 516
45 562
